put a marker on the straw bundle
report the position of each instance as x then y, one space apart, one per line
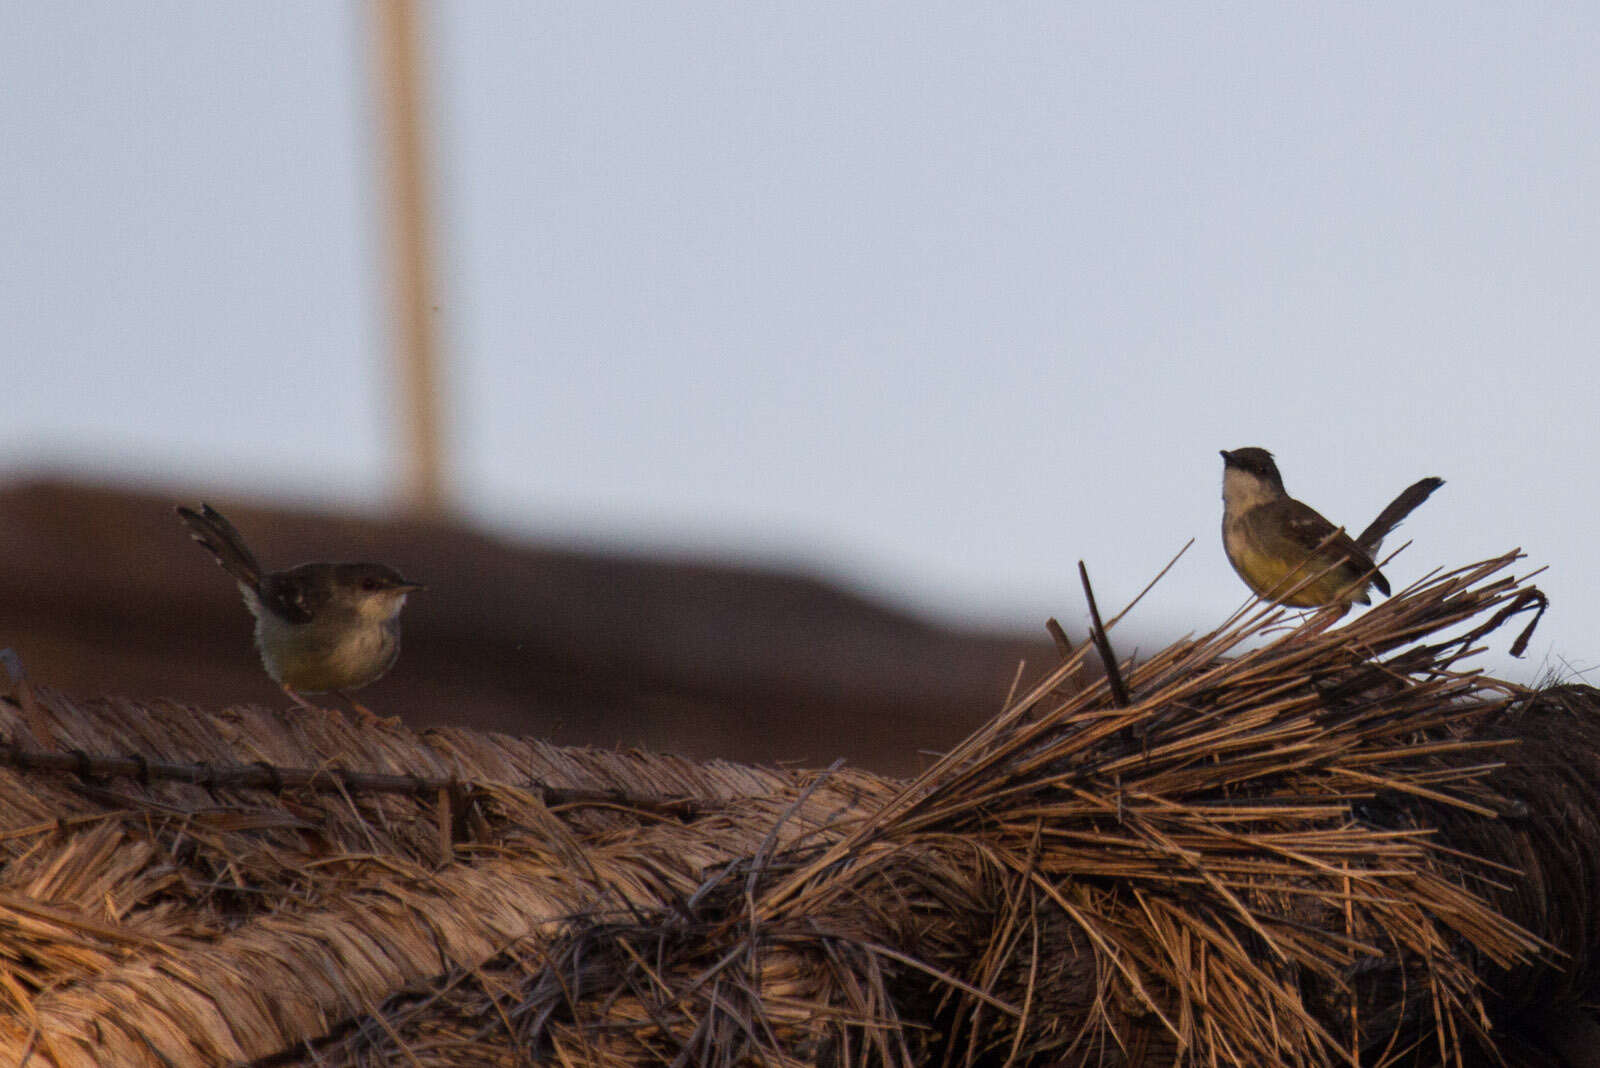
1239 866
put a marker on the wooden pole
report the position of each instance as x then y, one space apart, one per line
416 349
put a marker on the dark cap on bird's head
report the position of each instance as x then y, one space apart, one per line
312 588
372 578
1253 461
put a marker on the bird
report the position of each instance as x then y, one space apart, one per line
320 627
1286 552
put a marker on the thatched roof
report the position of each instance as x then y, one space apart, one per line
1340 840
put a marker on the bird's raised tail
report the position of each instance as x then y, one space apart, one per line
210 528
1398 509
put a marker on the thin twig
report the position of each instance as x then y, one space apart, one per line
1102 643
1059 636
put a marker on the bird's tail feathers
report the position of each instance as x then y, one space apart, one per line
1392 516
210 528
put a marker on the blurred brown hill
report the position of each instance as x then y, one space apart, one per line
102 592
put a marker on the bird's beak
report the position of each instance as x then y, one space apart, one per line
409 587
1227 457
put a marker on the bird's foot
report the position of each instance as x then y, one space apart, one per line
369 718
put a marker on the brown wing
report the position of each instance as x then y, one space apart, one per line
1297 530
297 594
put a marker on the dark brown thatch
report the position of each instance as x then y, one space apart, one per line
1240 867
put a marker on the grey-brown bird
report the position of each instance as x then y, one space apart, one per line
1286 551
320 627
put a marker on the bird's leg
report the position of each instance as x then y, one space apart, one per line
294 696
368 716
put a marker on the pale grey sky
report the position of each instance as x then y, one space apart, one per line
934 297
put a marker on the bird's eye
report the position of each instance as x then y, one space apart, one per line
369 584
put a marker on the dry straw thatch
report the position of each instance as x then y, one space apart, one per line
1238 867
